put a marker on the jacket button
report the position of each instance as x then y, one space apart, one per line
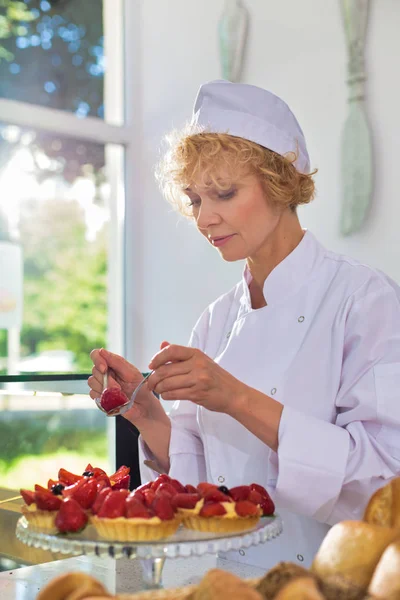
300 557
273 391
228 335
221 479
242 552
300 319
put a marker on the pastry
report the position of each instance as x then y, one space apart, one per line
352 549
210 508
383 507
121 516
278 577
73 586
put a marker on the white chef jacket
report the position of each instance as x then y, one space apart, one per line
327 346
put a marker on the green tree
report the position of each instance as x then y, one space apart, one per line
65 281
14 17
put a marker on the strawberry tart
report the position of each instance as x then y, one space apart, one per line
64 506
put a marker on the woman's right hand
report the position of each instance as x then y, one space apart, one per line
122 375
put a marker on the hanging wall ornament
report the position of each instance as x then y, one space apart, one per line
356 137
232 29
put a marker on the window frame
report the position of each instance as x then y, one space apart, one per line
122 76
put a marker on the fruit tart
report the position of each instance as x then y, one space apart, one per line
65 505
142 515
210 508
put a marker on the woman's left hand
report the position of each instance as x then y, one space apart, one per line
183 373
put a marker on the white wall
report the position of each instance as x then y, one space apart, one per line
297 50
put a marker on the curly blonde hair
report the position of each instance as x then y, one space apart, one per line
199 157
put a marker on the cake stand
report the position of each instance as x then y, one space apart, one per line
152 555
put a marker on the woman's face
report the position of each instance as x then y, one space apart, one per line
239 221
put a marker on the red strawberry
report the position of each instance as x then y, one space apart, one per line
244 508
112 398
114 505
164 478
67 478
178 486
267 506
28 496
51 483
241 492
122 484
143 487
185 500
89 468
46 500
137 494
84 492
254 497
202 487
134 509
212 510
259 489
71 517
163 508
119 474
166 488
149 497
98 473
190 489
212 495
40 488
101 484
101 496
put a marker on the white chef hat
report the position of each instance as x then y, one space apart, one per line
251 113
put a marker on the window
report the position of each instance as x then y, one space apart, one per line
64 141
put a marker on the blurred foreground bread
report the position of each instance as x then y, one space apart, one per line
385 583
383 507
73 586
302 588
278 577
221 584
352 549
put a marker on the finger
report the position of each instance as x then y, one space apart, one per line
181 394
95 386
164 345
169 370
98 360
98 375
121 366
172 353
171 384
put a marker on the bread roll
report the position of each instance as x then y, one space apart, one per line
385 582
302 588
278 577
218 584
352 549
335 587
73 586
383 507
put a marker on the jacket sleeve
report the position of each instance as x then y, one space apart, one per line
329 470
186 452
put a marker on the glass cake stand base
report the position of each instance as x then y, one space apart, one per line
152 555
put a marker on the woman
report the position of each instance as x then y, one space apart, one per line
292 378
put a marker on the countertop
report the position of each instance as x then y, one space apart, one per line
118 576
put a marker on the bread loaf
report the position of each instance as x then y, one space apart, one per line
302 588
383 507
385 582
73 586
220 584
352 549
278 577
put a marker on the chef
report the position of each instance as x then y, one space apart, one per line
292 378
